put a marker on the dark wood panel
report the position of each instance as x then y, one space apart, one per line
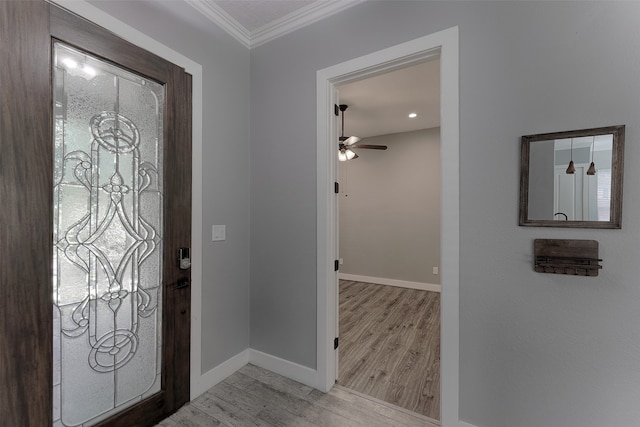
25 215
143 414
177 184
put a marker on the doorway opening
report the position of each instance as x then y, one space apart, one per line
389 239
445 45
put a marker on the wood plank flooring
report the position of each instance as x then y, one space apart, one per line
390 345
256 397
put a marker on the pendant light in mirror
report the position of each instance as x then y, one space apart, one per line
571 169
592 166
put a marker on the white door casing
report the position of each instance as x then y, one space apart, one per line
445 44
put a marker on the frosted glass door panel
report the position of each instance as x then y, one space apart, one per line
107 222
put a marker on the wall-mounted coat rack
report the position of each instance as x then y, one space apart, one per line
558 256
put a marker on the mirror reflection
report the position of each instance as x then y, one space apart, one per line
572 179
580 192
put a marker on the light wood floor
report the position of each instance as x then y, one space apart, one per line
390 345
256 397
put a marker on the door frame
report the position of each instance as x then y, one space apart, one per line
134 36
444 43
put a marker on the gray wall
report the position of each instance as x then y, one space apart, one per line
225 165
535 349
390 208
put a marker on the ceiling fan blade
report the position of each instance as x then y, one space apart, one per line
351 140
373 147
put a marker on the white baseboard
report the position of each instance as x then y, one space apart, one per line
391 282
220 373
463 424
275 364
294 371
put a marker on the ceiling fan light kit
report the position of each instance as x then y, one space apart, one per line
345 154
347 142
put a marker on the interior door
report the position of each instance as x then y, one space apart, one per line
96 203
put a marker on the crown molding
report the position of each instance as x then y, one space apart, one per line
300 18
217 15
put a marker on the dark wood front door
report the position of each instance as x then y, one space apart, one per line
45 247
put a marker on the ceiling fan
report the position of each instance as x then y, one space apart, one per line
346 144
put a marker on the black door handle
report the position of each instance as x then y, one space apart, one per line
183 283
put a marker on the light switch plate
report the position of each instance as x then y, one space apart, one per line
218 233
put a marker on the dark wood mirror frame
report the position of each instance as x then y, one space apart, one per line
617 168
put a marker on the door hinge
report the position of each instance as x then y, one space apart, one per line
336 109
336 265
335 343
336 187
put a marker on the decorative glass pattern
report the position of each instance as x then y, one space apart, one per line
107 260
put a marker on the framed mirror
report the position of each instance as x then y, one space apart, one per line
573 178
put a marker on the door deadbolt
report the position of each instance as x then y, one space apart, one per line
184 258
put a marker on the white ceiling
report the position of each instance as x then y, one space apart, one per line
377 106
380 105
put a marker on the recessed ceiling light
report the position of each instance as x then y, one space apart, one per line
412 115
